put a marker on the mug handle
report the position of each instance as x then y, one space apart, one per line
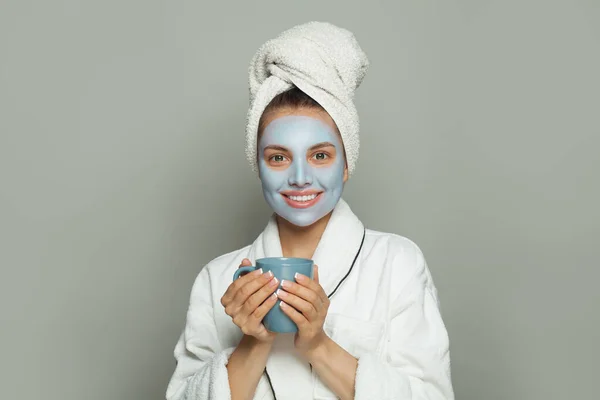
249 268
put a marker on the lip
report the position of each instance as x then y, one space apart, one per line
303 204
300 192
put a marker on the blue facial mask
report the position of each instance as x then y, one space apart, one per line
298 134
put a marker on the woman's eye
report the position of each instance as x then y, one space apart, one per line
278 158
320 156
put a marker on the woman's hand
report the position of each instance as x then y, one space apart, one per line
248 299
309 304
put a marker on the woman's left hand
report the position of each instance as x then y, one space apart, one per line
309 304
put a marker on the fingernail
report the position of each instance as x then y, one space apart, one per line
273 282
285 283
297 276
258 271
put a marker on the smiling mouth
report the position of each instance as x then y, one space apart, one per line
302 201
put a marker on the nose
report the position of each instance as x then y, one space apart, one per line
300 174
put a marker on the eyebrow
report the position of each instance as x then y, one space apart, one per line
322 144
275 147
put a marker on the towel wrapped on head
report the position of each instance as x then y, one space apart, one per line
319 58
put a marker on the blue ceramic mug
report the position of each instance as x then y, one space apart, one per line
282 268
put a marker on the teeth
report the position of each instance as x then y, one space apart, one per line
303 198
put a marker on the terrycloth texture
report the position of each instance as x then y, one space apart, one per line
212 381
201 372
413 369
385 313
321 59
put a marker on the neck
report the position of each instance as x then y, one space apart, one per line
300 241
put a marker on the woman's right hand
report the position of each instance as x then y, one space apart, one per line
248 299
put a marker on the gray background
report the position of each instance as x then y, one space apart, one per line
122 173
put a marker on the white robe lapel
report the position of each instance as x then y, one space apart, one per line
290 375
338 246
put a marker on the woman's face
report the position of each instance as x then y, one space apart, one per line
301 165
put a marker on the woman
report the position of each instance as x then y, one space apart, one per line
369 326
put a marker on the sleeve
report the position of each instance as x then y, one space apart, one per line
417 363
201 372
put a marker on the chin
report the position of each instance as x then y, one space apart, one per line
302 221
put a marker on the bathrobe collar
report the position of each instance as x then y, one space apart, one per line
335 252
289 375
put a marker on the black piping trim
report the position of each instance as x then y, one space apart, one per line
270 384
351 266
331 294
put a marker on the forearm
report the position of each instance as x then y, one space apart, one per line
245 367
336 368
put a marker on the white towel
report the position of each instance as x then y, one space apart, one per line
321 59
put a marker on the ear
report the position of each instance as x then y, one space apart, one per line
346 173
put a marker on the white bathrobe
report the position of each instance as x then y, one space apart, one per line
383 310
